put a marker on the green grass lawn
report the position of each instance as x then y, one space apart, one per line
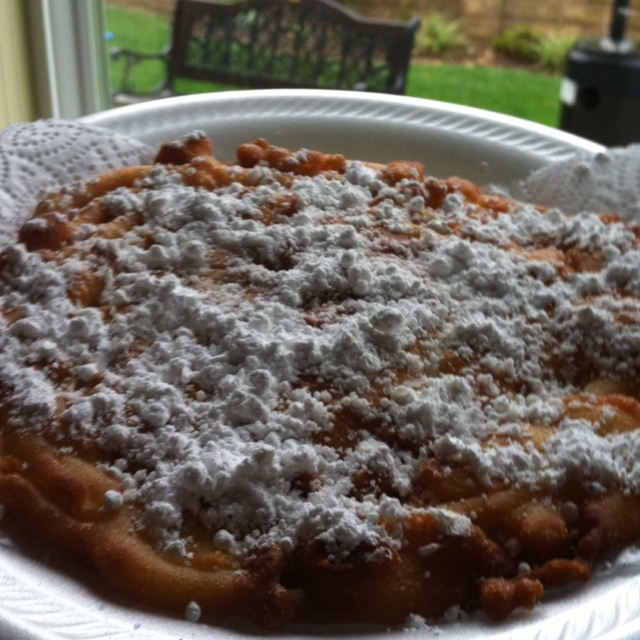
518 93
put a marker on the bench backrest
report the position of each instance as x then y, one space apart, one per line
286 43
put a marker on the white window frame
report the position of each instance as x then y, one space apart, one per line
69 57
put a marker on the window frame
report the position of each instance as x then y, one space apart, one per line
69 57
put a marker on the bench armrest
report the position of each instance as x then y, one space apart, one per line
133 58
399 85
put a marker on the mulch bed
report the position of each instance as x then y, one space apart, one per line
480 57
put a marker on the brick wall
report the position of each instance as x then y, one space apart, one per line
483 19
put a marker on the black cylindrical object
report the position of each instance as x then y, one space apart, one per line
619 20
601 91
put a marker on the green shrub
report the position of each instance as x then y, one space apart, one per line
554 50
440 35
521 42
549 50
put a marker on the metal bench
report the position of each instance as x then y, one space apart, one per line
277 44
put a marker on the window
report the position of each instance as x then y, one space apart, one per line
63 52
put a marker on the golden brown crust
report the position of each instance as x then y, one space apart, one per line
500 597
61 495
60 500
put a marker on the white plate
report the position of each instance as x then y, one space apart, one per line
448 139
40 601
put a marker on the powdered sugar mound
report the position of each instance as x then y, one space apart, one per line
417 624
192 612
451 524
42 155
608 181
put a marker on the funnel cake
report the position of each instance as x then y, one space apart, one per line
297 388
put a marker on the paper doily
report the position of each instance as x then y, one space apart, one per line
41 156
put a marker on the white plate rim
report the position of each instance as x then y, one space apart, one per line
527 145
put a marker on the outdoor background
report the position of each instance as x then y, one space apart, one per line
502 55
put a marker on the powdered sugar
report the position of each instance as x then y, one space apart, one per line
192 612
218 393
